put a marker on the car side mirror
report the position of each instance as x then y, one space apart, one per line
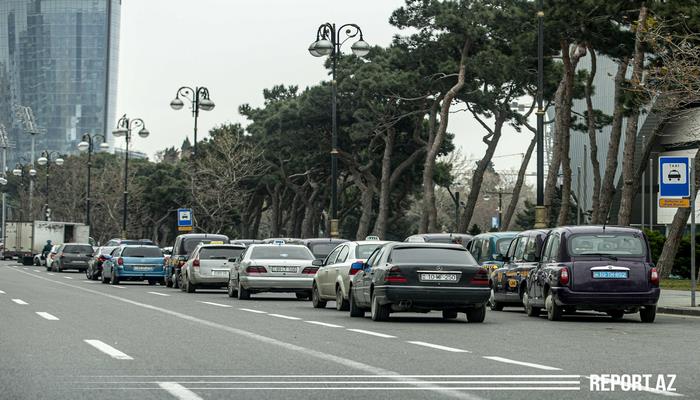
233 260
317 263
357 266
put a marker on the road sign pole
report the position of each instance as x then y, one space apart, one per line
692 234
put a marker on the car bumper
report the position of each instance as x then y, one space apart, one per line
210 280
140 274
564 296
69 265
277 283
433 297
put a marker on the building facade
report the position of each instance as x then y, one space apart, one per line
58 72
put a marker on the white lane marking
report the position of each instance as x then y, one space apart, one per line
180 392
20 302
324 324
158 294
451 390
50 273
382 335
355 382
439 347
645 388
284 316
253 311
345 362
525 364
118 287
46 315
107 349
90 281
215 304
36 270
68 277
1 292
529 376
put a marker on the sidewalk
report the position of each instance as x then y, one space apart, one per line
677 302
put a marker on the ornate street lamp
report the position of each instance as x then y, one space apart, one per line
47 158
124 128
87 145
198 99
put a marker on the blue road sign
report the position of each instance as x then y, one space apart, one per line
674 177
184 217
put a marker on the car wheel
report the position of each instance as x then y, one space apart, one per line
48 268
151 282
231 291
36 263
355 311
316 298
243 293
105 280
616 314
379 312
340 303
493 304
648 314
114 279
530 310
449 314
554 312
168 282
176 280
189 286
88 274
477 314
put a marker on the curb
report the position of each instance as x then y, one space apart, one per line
678 310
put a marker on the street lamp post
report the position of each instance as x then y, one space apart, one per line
539 207
124 128
500 194
19 171
198 99
47 158
87 145
328 42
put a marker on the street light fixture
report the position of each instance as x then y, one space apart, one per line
87 145
328 43
198 99
500 194
47 158
124 128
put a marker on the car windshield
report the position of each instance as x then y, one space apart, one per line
78 249
282 252
363 251
220 253
607 244
446 240
502 245
190 244
321 250
431 255
142 252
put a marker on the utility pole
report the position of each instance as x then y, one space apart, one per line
3 143
540 211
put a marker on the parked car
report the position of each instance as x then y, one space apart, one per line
508 283
209 266
455 238
332 280
489 249
272 268
134 262
72 256
322 247
182 248
94 269
39 260
51 257
605 269
420 277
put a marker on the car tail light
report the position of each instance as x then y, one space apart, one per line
564 276
394 276
120 261
481 278
309 270
255 270
654 276
195 263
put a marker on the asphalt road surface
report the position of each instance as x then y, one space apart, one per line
64 337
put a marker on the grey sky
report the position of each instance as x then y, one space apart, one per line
237 48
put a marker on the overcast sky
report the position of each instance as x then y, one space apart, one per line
237 48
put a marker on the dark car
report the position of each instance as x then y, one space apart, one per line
489 248
72 256
183 247
605 269
419 277
455 238
322 247
508 283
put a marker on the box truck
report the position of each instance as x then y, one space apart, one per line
25 239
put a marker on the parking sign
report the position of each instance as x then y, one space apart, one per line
674 173
184 217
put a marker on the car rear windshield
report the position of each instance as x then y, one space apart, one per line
321 250
281 252
220 253
431 255
363 251
190 244
142 252
612 244
78 249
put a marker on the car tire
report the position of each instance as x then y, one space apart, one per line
477 314
616 315
231 291
48 269
340 303
177 280
88 274
648 314
379 312
151 282
243 293
530 310
493 304
189 286
168 282
449 314
114 279
105 280
316 298
355 311
554 312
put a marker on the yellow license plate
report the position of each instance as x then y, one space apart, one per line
512 283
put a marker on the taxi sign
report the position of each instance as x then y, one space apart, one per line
216 242
674 203
278 242
674 173
372 238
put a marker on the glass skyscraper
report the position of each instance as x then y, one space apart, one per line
58 64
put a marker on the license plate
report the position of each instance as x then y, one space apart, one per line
438 277
610 274
219 273
142 268
283 269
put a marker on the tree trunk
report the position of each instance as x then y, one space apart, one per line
432 127
607 191
628 171
592 137
385 185
367 189
553 168
307 225
510 211
429 208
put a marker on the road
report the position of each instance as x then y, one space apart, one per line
64 337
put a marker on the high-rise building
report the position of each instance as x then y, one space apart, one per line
58 72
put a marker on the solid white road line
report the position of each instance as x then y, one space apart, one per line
107 349
20 302
439 347
521 376
382 335
46 315
180 392
525 364
356 382
375 388
284 316
68 277
158 294
324 324
215 304
253 311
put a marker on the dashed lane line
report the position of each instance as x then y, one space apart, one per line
49 273
439 347
215 304
324 324
372 333
20 302
46 315
107 349
67 277
36 270
284 316
1 292
523 363
158 294
253 311
178 391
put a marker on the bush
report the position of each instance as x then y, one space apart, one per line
681 264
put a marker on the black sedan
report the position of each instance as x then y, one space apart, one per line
419 277
605 269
